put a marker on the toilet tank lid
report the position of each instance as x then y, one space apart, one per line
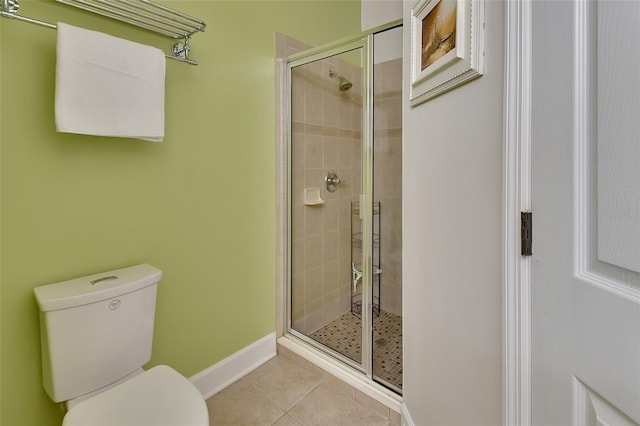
94 288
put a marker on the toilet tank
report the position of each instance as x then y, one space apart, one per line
96 330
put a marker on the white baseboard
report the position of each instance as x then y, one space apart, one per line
220 375
406 417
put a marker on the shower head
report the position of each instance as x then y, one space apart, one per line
344 84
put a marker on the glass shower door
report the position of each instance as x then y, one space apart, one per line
345 202
387 209
325 143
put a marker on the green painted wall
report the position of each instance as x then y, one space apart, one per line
200 205
0 234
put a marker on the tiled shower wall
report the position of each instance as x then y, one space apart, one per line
326 136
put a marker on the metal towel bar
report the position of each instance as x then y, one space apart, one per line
141 13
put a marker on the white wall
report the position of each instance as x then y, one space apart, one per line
452 244
379 12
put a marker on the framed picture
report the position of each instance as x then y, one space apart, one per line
447 46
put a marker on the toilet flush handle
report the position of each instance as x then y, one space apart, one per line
103 279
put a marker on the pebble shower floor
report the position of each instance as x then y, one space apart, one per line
344 335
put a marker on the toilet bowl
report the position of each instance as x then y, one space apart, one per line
96 334
159 396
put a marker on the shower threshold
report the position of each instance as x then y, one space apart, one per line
340 370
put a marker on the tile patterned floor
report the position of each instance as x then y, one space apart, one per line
289 391
344 335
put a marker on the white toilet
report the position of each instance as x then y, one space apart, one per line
96 334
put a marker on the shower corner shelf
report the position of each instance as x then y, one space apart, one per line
356 256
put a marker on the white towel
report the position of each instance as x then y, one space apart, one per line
108 86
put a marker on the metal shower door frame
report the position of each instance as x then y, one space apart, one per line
365 42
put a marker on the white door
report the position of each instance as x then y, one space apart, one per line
585 142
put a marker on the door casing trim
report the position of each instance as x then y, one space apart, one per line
516 178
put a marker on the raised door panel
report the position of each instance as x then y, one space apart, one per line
618 110
585 154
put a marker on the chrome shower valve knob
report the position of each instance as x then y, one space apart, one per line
332 181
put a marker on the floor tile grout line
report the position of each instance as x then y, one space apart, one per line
306 395
321 381
285 411
288 412
261 392
295 417
353 401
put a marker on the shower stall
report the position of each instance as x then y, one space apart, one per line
344 201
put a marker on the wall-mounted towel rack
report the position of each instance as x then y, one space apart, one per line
141 13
